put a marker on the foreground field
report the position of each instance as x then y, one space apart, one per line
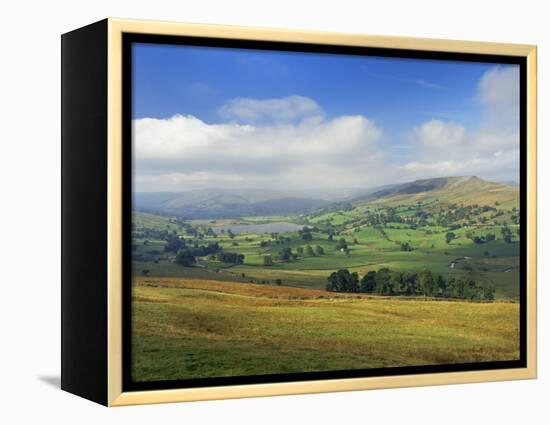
190 328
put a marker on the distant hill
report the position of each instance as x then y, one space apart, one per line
467 190
222 203
217 203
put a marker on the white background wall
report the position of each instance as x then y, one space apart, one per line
30 239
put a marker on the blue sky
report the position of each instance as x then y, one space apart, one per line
405 103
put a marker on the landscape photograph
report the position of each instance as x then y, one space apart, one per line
305 212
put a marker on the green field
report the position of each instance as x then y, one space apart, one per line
187 328
210 300
371 252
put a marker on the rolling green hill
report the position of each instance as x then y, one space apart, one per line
242 294
466 190
218 203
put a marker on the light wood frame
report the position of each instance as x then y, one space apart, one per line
116 28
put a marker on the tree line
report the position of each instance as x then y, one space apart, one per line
427 283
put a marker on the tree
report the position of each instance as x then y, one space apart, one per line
278 282
319 250
489 293
173 244
478 240
395 283
382 281
309 251
426 282
285 254
306 234
368 282
343 281
440 286
449 237
341 244
145 272
409 284
183 258
268 261
506 234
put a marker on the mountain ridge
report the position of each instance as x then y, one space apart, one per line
219 203
460 189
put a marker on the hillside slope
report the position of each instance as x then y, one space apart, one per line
465 190
213 203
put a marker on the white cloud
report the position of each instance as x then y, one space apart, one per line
286 109
439 134
183 152
500 85
490 150
497 165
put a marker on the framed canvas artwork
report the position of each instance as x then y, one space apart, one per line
251 212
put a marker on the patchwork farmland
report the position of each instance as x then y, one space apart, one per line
420 273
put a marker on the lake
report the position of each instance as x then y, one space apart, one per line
278 227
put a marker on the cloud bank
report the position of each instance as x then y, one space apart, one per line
184 152
290 143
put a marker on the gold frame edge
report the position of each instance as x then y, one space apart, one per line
116 27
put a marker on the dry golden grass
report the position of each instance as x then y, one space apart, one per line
187 328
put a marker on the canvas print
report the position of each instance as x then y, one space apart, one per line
302 212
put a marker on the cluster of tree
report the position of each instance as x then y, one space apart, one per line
145 232
388 282
286 254
449 237
279 240
455 213
305 232
230 257
203 250
186 256
405 246
174 243
341 244
481 239
506 234
309 251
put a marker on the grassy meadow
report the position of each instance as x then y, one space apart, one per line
194 328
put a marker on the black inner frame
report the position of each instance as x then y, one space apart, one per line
129 38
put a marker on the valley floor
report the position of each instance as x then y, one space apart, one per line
186 328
